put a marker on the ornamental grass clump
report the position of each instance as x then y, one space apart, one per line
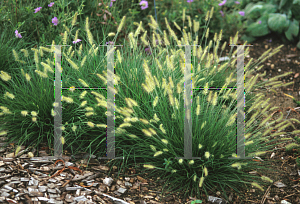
149 107
154 130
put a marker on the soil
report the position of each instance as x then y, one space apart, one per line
285 162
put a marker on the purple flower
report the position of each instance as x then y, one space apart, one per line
259 22
110 42
242 13
189 1
51 4
111 3
144 4
37 9
148 51
237 2
55 21
221 12
270 40
223 2
18 35
76 41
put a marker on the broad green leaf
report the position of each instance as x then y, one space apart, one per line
254 11
248 7
278 22
282 3
289 16
257 30
293 30
269 8
295 10
285 5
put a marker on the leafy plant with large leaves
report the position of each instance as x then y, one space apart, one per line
278 16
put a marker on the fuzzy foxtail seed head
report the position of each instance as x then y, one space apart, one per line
62 139
25 52
17 150
201 181
121 24
207 155
166 41
149 166
65 38
146 132
196 26
155 101
15 55
177 26
30 155
153 148
189 20
257 186
264 178
205 171
207 15
9 95
83 83
74 19
158 153
215 99
207 32
209 96
138 30
111 34
183 15
211 12
198 110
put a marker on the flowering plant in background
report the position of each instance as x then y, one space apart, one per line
242 13
37 9
144 4
222 3
39 26
111 3
148 51
76 41
109 42
55 21
222 13
232 13
18 35
51 4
